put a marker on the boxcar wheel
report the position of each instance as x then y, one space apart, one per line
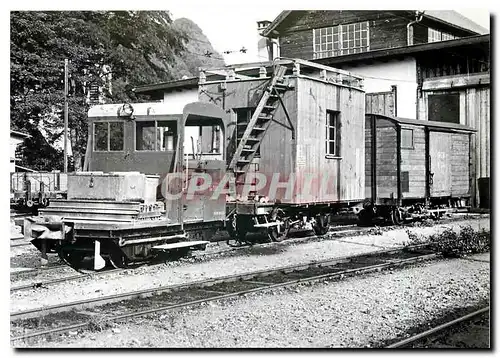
321 226
396 216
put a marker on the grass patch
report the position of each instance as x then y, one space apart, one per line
449 243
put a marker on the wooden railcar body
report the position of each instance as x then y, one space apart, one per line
410 161
295 146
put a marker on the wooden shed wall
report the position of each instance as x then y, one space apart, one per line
413 162
346 174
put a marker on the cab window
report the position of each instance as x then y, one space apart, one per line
155 135
108 136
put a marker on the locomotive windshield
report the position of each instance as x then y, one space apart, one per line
156 135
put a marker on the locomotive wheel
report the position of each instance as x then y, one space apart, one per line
321 226
118 260
71 258
396 216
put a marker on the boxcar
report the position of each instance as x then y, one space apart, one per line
36 189
297 126
414 167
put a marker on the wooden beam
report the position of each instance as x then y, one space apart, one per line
225 73
457 81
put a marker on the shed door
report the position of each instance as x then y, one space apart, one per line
440 157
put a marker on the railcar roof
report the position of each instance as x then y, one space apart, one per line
419 122
140 109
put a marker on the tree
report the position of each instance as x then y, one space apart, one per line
133 46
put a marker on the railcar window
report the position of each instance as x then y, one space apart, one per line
407 138
165 134
116 136
155 135
333 133
108 136
101 136
145 135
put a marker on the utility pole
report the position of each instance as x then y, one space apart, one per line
66 115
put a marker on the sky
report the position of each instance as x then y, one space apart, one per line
230 27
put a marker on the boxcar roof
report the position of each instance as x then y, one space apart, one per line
419 122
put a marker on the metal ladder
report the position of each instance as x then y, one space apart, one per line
256 128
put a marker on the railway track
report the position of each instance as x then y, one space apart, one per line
75 316
335 232
421 340
342 230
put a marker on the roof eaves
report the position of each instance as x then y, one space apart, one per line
477 29
176 84
276 22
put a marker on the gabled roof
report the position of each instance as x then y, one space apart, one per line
449 17
455 18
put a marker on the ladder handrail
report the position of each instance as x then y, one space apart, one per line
280 71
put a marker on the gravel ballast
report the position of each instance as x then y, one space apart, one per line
184 272
357 312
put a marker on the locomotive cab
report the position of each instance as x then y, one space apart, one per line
121 209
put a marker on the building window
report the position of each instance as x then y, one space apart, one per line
108 136
341 40
407 138
155 135
333 133
436 35
444 107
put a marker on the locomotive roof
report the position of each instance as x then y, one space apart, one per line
419 122
140 109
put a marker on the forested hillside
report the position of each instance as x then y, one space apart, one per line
130 47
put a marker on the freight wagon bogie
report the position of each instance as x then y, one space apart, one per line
275 222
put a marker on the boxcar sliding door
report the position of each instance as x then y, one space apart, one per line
440 163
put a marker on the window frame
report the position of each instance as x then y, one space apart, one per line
412 146
94 149
434 35
155 150
431 99
338 30
337 134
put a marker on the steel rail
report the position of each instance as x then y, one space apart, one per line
439 328
197 254
39 269
212 282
